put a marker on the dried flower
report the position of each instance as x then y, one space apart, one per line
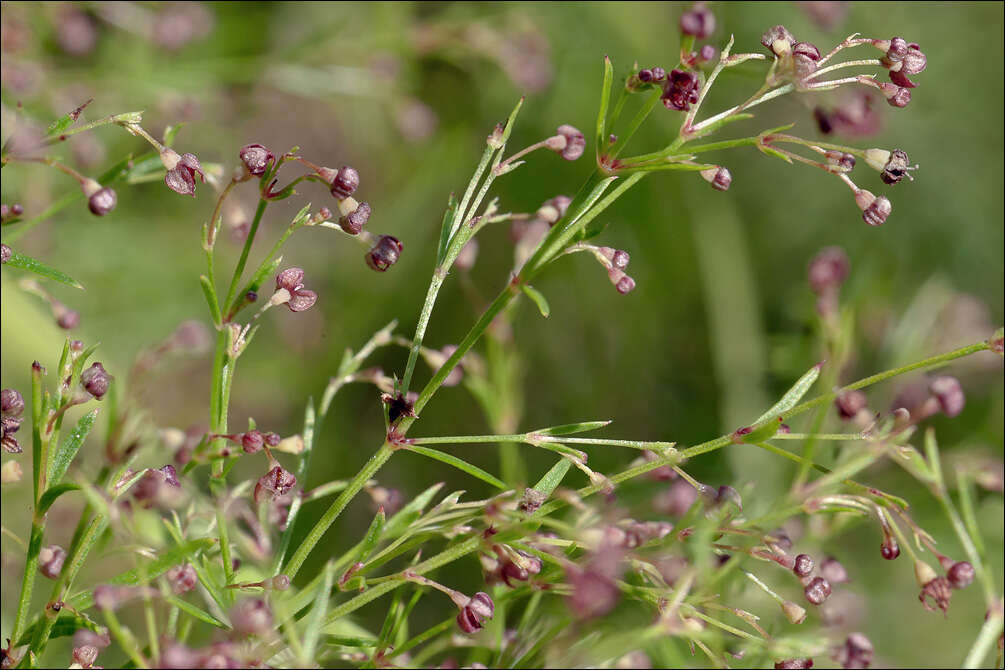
699 21
473 615
96 380
681 90
532 500
384 254
276 482
256 159
181 171
50 561
778 40
936 593
949 393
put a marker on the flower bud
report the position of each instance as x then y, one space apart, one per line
85 655
473 615
698 22
276 482
96 380
856 652
924 573
622 282
50 561
832 570
102 201
850 403
806 50
889 550
280 583
251 617
828 270
345 182
12 403
6 253
290 279
778 40
252 441
182 578
949 393
354 221
719 177
961 575
181 171
66 318
817 591
256 159
680 90
552 210
875 210
384 254
803 565
568 142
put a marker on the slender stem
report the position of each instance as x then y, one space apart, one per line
243 260
850 63
114 118
137 129
985 641
637 121
497 169
752 102
28 580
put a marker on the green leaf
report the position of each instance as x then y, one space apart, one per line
551 479
266 269
372 535
445 228
765 149
171 132
605 100
460 464
69 447
50 496
572 428
708 130
211 300
174 556
38 267
793 395
195 612
407 514
538 298
66 625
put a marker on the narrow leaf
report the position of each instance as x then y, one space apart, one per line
266 269
605 100
69 447
553 477
211 300
372 535
572 428
445 229
53 493
793 395
28 263
171 132
196 612
66 625
407 514
460 464
538 298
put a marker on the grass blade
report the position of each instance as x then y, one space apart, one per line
60 462
30 264
460 464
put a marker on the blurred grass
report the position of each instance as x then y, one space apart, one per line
721 321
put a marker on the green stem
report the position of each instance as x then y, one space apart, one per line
243 260
985 641
28 581
636 123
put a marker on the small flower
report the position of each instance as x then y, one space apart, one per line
399 405
949 393
850 403
699 22
532 500
875 210
473 615
778 40
856 652
384 254
568 142
345 182
182 578
50 561
817 591
680 90
100 199
961 575
252 441
256 159
85 655
5 254
291 292
889 550
803 565
181 171
353 221
719 177
96 380
896 95
276 482
622 282
12 403
251 617
936 593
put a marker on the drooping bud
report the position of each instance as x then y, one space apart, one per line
568 141
384 254
875 210
473 615
817 591
181 171
96 380
803 565
949 393
345 182
50 561
256 159
622 282
102 201
719 177
354 221
961 575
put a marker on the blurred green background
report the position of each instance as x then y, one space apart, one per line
722 319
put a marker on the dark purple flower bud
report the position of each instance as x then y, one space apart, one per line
102 201
645 76
50 561
902 80
568 142
5 254
620 259
795 663
345 182
256 159
622 282
181 172
290 279
96 380
877 210
699 22
803 565
832 570
384 254
817 591
182 578
276 482
302 300
659 74
889 550
778 40
272 439
473 615
719 177
856 652
828 270
354 221
680 90
66 318
12 403
961 575
251 617
252 441
806 49
949 393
